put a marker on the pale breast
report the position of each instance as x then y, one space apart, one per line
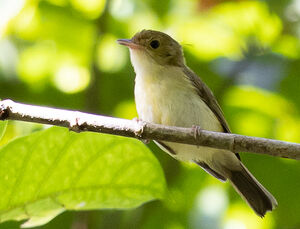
168 97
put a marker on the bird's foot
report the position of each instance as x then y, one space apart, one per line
196 131
138 120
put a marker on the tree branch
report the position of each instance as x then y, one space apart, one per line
79 121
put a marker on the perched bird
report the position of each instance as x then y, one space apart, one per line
168 92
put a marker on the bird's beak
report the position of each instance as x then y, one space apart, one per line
129 43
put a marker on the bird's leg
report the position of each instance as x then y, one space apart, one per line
145 141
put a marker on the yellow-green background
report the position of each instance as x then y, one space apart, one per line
62 53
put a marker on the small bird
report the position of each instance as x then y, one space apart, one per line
168 92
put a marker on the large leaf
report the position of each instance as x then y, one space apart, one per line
47 172
3 125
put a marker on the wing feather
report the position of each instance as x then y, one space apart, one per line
208 97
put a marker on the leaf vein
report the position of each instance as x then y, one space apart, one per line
22 171
54 164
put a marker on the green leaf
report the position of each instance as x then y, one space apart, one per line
3 125
54 170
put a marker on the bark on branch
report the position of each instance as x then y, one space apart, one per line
79 121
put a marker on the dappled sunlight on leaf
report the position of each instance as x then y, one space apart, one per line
253 123
185 194
8 58
110 57
26 24
210 204
210 40
263 113
259 100
181 195
59 2
143 20
126 109
288 129
225 29
58 43
91 8
122 8
8 9
174 225
71 79
235 224
212 201
245 19
240 216
44 22
288 46
37 62
175 200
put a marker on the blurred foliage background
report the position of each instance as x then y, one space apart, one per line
62 53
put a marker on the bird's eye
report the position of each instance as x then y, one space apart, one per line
154 44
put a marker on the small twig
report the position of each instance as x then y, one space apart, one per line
79 121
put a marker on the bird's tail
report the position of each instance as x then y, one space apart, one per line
259 198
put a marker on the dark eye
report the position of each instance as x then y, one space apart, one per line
154 44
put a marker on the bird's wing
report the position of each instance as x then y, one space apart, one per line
207 96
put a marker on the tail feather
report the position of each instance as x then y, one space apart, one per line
259 199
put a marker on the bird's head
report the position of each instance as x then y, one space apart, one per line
150 47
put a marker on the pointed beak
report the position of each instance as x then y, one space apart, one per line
129 43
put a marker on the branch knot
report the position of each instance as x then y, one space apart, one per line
76 124
5 109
